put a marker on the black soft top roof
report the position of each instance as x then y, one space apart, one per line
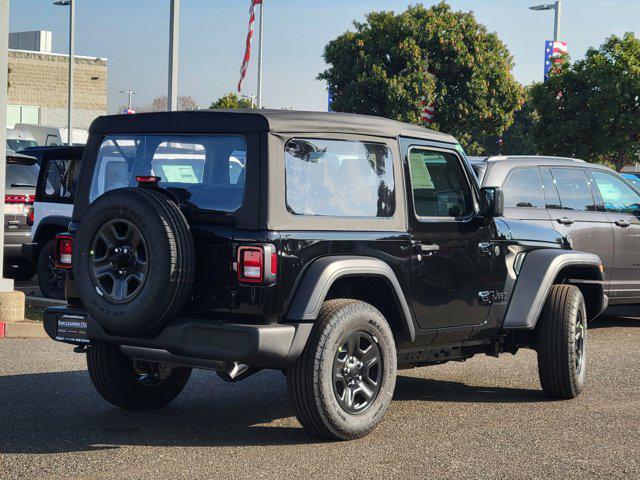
242 121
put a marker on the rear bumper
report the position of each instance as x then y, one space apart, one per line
263 346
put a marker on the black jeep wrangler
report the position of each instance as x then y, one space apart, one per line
337 248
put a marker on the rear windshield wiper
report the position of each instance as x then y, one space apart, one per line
22 185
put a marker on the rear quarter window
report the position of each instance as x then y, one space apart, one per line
339 178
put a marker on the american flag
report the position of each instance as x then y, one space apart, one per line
552 53
247 51
428 109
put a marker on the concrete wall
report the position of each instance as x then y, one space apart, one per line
40 79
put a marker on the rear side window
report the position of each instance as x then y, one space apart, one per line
60 179
439 184
574 190
523 189
339 178
204 171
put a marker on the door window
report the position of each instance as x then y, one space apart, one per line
617 196
439 184
574 190
523 189
551 197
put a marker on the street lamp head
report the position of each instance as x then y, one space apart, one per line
63 3
544 6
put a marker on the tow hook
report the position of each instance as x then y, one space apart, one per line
81 349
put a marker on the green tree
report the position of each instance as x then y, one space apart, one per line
518 138
231 100
590 108
380 69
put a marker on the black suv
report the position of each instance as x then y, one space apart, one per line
337 248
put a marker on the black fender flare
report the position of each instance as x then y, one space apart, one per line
58 221
321 274
537 275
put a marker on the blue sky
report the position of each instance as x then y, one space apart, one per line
133 35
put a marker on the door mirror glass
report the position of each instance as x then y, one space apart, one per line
491 202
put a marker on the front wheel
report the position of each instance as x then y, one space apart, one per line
133 384
562 343
342 384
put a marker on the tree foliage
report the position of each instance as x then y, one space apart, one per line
590 108
380 69
161 104
231 100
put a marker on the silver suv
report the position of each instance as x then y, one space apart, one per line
593 205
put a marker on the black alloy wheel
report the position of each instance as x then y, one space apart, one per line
118 260
357 372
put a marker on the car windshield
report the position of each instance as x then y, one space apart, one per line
633 180
18 145
204 171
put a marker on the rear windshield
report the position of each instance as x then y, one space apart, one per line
204 171
18 145
21 176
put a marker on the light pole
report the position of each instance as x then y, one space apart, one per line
72 32
5 285
250 97
557 6
174 34
130 93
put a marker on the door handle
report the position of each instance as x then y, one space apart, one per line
622 223
427 248
565 220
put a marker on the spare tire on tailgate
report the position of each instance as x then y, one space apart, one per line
134 260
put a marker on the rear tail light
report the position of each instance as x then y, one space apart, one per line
257 264
64 251
24 199
30 216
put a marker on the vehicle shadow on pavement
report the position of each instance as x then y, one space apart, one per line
425 389
621 317
61 412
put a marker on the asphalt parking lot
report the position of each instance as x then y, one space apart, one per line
484 418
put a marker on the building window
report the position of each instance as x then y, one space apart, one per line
22 114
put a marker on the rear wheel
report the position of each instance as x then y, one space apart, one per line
50 279
342 384
562 343
133 384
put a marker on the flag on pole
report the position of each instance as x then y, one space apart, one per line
247 51
553 52
428 109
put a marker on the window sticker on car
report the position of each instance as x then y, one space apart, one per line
179 174
609 192
420 176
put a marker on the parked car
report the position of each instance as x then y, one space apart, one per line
321 258
48 136
20 186
632 178
54 194
18 140
595 207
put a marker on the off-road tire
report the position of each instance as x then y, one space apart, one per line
171 260
114 376
564 309
310 378
45 261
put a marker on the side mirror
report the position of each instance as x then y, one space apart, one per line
491 202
